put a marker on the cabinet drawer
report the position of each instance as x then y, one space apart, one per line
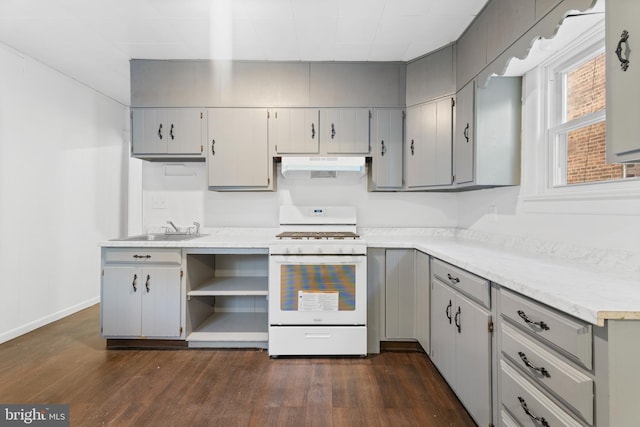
565 332
469 284
142 255
524 401
562 379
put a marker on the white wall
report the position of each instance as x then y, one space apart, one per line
61 190
185 199
605 216
501 211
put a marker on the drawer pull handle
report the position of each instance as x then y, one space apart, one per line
142 256
539 324
526 410
541 370
452 279
457 319
448 311
135 288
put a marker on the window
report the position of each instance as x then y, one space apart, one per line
577 119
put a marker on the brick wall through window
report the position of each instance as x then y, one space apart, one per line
586 158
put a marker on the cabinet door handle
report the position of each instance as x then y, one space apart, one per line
412 148
466 133
160 131
452 279
333 131
624 62
213 147
171 132
528 364
539 324
313 131
526 410
457 319
383 149
146 284
448 311
135 288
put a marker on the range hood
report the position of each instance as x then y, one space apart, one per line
322 167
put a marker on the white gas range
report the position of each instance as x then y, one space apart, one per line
317 283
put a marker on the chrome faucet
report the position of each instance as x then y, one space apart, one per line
175 229
197 224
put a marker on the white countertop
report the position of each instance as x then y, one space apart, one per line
591 292
225 237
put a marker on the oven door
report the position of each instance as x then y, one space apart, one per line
317 289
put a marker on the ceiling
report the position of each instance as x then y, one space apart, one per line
92 41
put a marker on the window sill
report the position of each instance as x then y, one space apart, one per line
611 198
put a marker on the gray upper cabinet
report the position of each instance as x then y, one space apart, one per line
387 141
623 91
544 6
294 130
357 84
487 134
507 21
471 52
429 141
238 149
432 76
345 130
464 134
163 132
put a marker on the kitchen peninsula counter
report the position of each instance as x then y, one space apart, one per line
591 285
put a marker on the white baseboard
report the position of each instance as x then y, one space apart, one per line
21 330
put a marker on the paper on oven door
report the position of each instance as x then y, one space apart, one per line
318 301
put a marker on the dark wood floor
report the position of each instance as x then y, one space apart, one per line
67 362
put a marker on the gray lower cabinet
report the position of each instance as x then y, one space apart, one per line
623 91
168 132
387 142
398 297
487 134
461 339
238 155
545 364
423 300
428 151
400 294
562 370
141 293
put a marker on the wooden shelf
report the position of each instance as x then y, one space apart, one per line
232 286
232 327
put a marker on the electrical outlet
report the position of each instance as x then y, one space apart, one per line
493 213
159 202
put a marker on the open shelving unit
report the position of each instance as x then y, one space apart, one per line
227 298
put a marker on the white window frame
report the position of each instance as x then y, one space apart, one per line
542 108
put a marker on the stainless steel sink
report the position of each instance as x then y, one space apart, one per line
161 237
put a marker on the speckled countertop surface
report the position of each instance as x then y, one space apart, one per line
584 283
